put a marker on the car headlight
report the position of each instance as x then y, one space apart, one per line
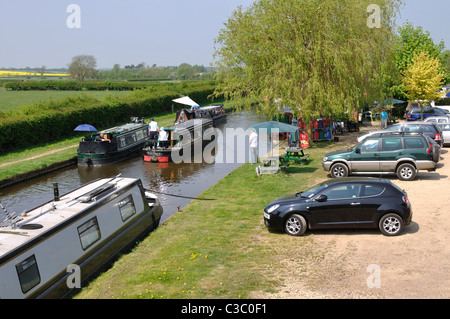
272 208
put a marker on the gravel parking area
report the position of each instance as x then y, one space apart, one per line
366 264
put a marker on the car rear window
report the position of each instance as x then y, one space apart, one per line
372 190
414 142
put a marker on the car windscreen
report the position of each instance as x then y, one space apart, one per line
315 190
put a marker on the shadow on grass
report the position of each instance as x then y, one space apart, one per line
300 169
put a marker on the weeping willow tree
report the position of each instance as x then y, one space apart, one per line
316 56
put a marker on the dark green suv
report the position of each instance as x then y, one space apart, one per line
395 153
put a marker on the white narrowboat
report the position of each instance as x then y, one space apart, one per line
51 251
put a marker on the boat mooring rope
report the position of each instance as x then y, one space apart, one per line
180 196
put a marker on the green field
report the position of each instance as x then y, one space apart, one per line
11 100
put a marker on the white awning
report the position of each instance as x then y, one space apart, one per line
186 100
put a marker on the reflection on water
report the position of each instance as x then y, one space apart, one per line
174 184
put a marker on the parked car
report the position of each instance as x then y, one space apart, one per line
415 114
445 127
427 128
435 149
343 203
403 154
438 119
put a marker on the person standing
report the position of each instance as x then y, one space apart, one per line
253 143
153 132
384 119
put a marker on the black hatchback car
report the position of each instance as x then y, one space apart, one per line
343 203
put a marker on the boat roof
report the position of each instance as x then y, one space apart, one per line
54 213
124 128
191 123
211 107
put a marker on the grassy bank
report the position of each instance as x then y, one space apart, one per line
218 248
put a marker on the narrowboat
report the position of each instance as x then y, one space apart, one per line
51 251
214 112
113 145
185 140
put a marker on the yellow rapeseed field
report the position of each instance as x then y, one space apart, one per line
6 73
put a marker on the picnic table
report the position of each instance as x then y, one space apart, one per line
272 164
295 154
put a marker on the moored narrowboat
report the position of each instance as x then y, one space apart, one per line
214 112
185 140
52 250
113 145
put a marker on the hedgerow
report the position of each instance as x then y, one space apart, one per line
54 120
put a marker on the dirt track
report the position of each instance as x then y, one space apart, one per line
415 264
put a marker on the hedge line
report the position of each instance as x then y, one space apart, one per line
76 85
52 121
444 101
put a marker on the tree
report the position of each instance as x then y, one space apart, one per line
423 79
41 70
185 71
412 40
83 67
317 56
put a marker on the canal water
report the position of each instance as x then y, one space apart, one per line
175 184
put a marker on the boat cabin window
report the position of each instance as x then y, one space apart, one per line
28 273
89 233
127 208
131 138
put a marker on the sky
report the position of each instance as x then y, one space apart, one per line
170 32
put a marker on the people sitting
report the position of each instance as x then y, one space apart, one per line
102 137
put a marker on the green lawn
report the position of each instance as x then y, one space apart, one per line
219 248
11 100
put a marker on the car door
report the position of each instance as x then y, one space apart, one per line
366 156
391 151
336 207
370 202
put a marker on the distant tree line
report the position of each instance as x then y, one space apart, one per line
142 71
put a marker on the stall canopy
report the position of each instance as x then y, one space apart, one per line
278 127
186 100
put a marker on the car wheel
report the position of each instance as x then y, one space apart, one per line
406 172
339 170
391 224
295 225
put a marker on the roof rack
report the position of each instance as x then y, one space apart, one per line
397 133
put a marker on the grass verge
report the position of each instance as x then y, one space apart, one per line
218 248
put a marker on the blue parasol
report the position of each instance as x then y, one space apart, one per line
85 128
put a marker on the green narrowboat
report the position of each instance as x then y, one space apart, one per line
113 145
